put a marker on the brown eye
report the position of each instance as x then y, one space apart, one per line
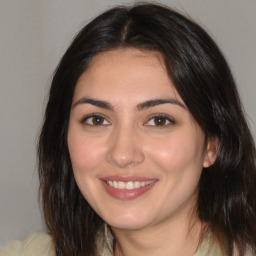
159 121
96 120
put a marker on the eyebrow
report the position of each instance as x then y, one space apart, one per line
141 106
95 102
156 102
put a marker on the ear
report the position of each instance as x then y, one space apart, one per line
211 151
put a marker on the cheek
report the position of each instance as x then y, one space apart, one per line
178 154
85 153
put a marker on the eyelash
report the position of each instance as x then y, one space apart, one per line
102 118
152 118
160 116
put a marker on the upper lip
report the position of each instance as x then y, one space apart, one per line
127 178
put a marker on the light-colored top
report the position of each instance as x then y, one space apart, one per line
40 244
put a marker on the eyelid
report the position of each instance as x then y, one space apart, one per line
164 116
168 118
85 118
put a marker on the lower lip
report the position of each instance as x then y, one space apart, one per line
126 194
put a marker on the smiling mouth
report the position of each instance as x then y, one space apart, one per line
127 188
128 185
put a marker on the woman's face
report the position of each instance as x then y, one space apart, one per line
136 151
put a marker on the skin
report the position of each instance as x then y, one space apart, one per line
126 141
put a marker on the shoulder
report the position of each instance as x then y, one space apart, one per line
212 248
208 248
39 244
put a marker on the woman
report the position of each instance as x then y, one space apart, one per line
145 149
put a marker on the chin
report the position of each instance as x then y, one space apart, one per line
127 221
132 225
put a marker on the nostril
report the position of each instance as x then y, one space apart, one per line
125 159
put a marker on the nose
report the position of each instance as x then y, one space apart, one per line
126 149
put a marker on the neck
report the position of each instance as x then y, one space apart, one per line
167 238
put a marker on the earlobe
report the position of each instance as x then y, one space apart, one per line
211 151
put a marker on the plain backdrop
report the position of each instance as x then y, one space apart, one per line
33 36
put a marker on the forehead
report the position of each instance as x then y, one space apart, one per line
126 73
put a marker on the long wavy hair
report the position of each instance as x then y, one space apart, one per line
200 74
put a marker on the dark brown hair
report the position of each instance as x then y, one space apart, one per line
227 189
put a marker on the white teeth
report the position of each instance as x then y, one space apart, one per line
120 185
115 184
136 184
128 185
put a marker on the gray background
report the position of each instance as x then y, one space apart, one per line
34 35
